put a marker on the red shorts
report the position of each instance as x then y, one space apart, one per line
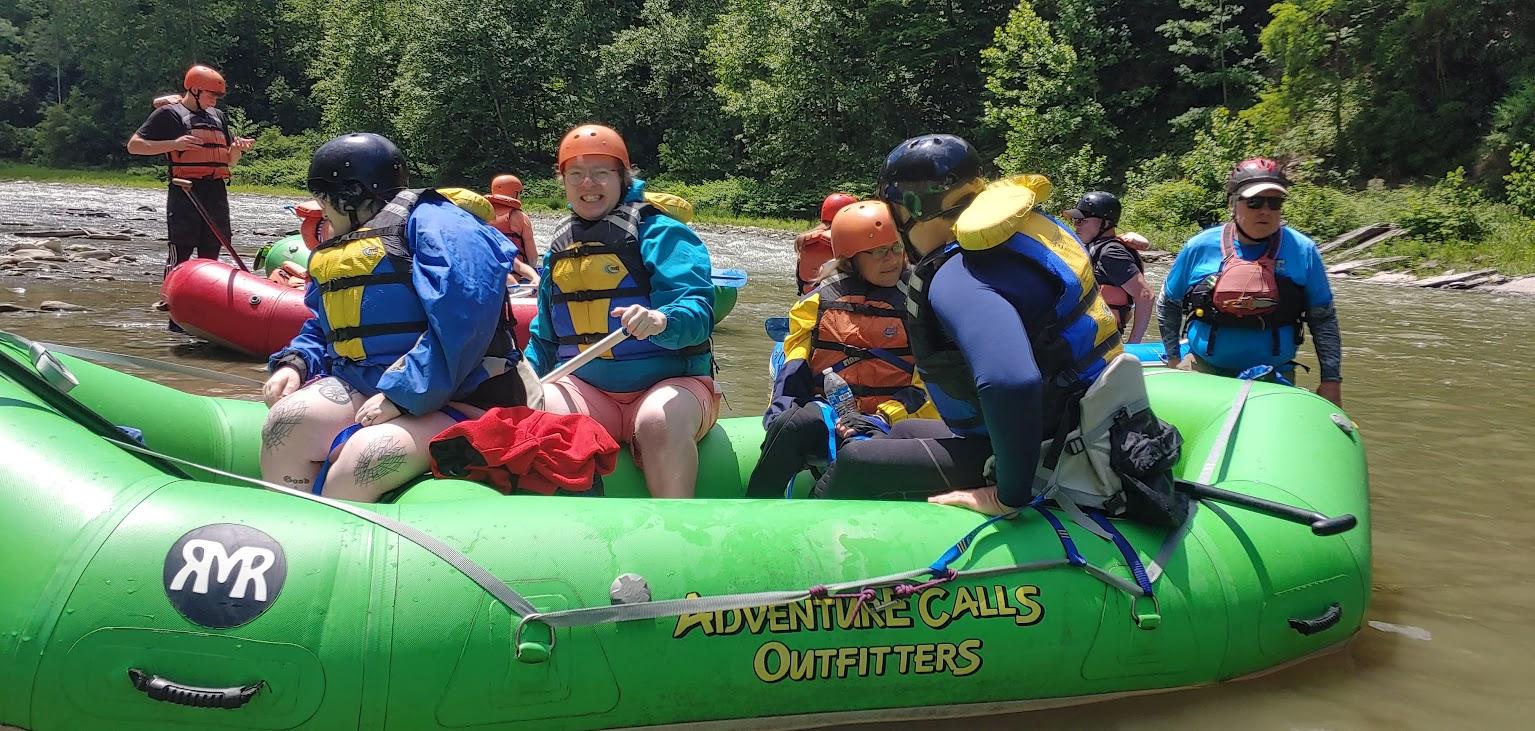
616 410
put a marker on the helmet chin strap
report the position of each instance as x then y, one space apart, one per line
1243 231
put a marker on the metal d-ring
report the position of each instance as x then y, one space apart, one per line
517 634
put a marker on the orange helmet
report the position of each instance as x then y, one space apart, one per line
312 223
862 226
203 78
507 185
592 139
833 203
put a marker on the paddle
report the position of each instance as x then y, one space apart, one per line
186 187
728 278
1320 525
777 328
586 356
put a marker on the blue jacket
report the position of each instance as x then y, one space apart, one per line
681 288
1239 348
458 270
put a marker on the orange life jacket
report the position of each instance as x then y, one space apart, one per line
814 250
1247 294
312 224
514 224
211 158
860 333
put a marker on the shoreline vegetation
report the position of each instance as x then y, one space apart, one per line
1416 233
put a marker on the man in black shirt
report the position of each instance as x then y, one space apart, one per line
194 136
1116 264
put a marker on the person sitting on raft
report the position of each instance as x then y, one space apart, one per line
1246 287
407 332
619 261
506 200
852 324
812 249
1117 265
1006 325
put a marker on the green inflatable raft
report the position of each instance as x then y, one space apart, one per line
140 592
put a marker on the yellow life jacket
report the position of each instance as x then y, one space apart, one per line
364 278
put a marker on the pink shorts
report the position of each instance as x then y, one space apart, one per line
616 410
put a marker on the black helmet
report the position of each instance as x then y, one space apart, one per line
919 172
1097 204
354 168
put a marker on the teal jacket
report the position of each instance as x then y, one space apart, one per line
681 288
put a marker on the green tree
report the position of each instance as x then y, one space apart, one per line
1040 103
1216 47
656 77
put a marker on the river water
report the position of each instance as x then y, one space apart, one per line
1438 382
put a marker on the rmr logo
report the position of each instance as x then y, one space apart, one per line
224 575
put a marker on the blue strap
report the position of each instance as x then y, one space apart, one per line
1073 556
880 353
1137 569
829 417
345 434
958 549
341 437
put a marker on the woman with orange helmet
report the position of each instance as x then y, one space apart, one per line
506 199
619 261
812 249
852 324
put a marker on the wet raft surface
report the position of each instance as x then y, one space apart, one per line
1438 381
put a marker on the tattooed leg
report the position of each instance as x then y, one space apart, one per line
298 430
335 390
381 458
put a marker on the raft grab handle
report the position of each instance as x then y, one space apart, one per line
1320 524
1308 627
165 689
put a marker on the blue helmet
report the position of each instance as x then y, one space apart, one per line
351 169
919 172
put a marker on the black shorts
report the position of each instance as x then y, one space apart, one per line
184 225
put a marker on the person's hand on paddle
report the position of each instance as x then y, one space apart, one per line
283 381
378 409
639 321
1332 391
982 500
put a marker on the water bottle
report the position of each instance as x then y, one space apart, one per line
838 394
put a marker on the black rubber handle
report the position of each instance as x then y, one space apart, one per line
1320 524
1322 623
163 689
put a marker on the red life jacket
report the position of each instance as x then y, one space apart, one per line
1247 294
814 250
860 333
1113 295
1245 288
211 158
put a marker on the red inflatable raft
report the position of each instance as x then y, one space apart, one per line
221 304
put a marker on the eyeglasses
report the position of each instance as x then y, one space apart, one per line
1273 203
600 177
880 252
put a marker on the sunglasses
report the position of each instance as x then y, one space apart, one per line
1274 204
880 252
